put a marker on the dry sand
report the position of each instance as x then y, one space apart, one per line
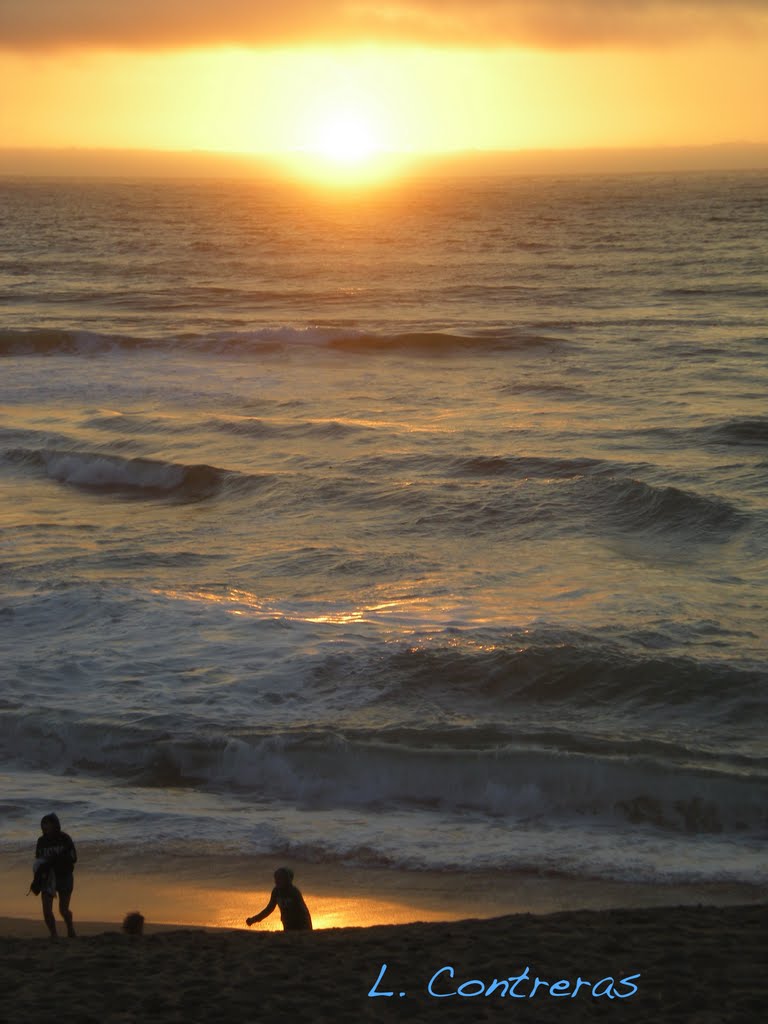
696 965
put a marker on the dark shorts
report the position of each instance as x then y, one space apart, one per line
65 884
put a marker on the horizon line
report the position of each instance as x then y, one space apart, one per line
102 161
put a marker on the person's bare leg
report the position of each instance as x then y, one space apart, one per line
48 917
66 913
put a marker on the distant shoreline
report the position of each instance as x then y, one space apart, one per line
74 162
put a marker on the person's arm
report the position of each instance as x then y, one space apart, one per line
264 913
72 852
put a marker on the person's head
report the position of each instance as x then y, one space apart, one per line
133 923
283 878
50 824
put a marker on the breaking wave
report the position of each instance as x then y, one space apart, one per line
110 473
453 772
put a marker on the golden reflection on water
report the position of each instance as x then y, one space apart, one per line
243 602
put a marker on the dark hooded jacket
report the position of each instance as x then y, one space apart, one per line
57 850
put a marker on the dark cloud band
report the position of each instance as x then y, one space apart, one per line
561 24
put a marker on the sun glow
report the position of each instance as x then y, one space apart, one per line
344 143
338 115
346 137
347 163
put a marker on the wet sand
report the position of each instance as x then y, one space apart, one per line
222 892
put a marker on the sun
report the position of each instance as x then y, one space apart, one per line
344 144
346 137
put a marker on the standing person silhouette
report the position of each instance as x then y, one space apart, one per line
294 912
55 858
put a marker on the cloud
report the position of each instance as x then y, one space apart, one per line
553 24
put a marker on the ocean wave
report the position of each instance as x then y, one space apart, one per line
316 769
739 432
426 492
251 426
735 432
534 496
16 437
265 340
531 466
436 342
719 290
124 824
134 423
633 506
541 668
427 467
544 388
49 341
111 473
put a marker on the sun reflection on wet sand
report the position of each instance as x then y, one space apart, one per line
239 888
183 901
327 912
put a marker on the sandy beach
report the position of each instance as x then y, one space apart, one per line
682 953
677 964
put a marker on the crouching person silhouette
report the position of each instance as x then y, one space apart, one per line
293 910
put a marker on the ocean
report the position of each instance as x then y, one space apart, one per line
421 527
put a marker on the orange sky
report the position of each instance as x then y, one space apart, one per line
351 79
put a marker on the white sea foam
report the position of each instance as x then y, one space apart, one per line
104 471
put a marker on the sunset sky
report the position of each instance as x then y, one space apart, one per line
348 78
